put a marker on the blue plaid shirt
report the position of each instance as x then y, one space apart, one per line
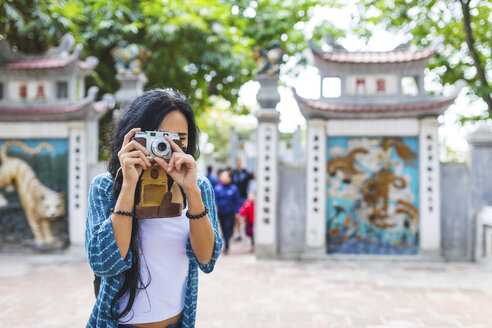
105 258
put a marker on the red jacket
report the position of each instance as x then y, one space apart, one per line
248 210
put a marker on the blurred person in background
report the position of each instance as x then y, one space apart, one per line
241 178
213 180
252 183
247 211
228 205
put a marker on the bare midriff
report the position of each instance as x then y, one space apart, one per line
160 324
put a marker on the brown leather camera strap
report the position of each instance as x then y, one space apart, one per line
116 177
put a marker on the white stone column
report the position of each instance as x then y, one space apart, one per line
429 188
316 187
265 229
92 128
77 181
267 184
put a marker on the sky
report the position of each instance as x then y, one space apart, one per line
452 135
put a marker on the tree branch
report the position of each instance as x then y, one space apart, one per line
465 7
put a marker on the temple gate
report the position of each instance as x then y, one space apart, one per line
49 132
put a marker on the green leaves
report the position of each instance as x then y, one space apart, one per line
199 47
204 33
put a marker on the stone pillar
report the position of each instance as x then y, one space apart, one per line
316 188
430 197
92 131
267 168
77 181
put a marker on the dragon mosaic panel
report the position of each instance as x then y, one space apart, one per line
372 195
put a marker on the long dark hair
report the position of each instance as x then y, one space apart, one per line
146 112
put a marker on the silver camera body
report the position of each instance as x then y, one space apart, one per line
156 144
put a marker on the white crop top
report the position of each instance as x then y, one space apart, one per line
164 253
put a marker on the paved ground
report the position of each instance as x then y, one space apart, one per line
56 291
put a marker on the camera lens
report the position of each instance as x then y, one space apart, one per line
162 147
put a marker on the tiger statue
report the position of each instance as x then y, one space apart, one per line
41 204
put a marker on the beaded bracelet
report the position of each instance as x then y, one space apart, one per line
122 212
193 217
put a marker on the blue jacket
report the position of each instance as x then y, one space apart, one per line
213 180
105 258
227 198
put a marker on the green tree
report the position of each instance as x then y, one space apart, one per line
464 25
199 47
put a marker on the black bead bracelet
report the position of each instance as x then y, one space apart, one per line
122 212
193 217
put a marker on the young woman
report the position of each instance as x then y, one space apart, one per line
149 267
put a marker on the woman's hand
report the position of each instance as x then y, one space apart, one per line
133 159
181 167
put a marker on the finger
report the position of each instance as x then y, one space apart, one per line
170 165
132 146
165 165
135 145
129 135
174 146
180 162
136 161
161 162
138 153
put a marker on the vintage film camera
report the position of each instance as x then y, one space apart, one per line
156 145
155 184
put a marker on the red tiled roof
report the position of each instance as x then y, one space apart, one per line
100 106
84 65
39 63
373 57
43 110
352 108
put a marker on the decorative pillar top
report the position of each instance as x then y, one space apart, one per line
129 60
267 73
131 87
268 115
268 96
